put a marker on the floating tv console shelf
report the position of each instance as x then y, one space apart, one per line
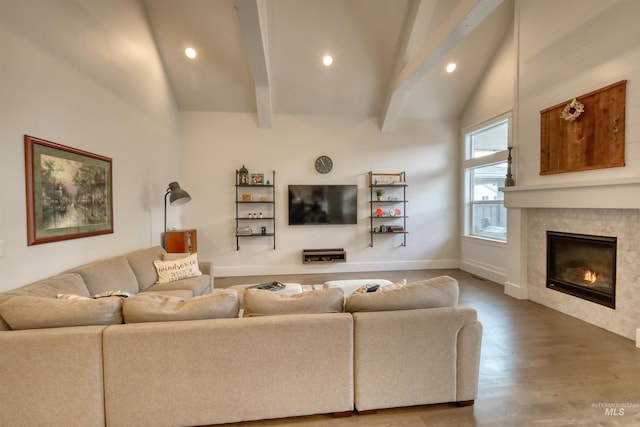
323 256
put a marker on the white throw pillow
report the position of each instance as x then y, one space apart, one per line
183 268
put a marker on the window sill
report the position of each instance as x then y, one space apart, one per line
484 240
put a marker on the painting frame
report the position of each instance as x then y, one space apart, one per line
69 192
257 179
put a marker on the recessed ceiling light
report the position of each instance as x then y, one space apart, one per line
451 67
190 52
327 60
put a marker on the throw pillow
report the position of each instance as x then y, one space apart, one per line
71 296
397 285
438 292
26 312
173 256
258 302
118 293
221 303
367 287
169 271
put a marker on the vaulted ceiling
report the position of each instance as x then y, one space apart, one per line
389 56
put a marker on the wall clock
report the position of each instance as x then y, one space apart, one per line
324 164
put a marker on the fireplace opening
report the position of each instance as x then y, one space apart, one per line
583 266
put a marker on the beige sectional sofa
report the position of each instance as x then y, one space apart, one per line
211 371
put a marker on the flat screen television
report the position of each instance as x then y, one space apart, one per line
323 204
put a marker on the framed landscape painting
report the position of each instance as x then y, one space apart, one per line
69 192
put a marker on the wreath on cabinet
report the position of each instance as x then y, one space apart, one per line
572 110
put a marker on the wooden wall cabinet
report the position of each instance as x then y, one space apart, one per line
181 241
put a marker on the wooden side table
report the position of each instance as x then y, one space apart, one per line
181 241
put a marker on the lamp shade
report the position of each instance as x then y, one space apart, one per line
177 196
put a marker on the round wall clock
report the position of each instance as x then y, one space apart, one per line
324 164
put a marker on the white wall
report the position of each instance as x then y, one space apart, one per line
585 45
86 75
216 144
493 97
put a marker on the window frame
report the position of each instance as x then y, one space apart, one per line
470 163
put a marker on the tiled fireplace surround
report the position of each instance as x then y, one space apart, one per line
603 209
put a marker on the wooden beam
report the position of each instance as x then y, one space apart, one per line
467 15
252 20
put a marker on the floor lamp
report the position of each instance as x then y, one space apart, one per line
177 197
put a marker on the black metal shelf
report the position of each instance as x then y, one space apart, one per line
373 202
269 204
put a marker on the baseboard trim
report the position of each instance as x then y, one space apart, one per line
486 271
516 291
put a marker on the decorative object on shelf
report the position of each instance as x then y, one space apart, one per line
257 179
243 174
386 178
509 182
243 231
379 194
69 192
177 197
246 197
572 110
379 212
263 230
324 164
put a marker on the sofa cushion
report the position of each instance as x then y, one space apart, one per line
27 312
69 283
109 274
437 292
180 293
141 263
183 268
147 307
198 285
258 302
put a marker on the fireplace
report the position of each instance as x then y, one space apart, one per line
583 266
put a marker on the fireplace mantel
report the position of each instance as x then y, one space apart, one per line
621 193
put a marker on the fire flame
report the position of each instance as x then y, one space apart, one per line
590 276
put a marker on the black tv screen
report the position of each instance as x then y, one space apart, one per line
323 204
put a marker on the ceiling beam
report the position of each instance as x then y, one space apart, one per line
467 15
252 21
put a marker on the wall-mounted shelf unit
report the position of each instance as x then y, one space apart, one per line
388 203
255 210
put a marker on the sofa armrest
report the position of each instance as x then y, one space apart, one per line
207 268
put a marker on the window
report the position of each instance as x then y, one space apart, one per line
485 168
